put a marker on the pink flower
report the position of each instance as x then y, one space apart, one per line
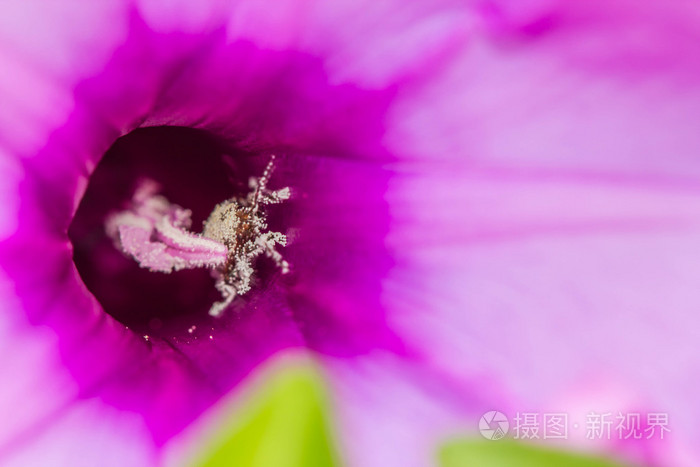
494 205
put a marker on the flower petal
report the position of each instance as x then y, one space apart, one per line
573 281
557 219
607 87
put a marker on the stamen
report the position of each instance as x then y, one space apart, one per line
155 233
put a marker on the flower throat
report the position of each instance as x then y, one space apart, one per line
157 235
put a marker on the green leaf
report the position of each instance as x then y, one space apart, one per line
283 424
487 453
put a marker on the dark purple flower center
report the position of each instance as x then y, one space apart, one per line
195 170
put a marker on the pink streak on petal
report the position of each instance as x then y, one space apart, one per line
87 433
417 38
406 38
609 86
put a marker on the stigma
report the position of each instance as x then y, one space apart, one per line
156 234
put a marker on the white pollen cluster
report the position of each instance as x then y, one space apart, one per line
240 225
